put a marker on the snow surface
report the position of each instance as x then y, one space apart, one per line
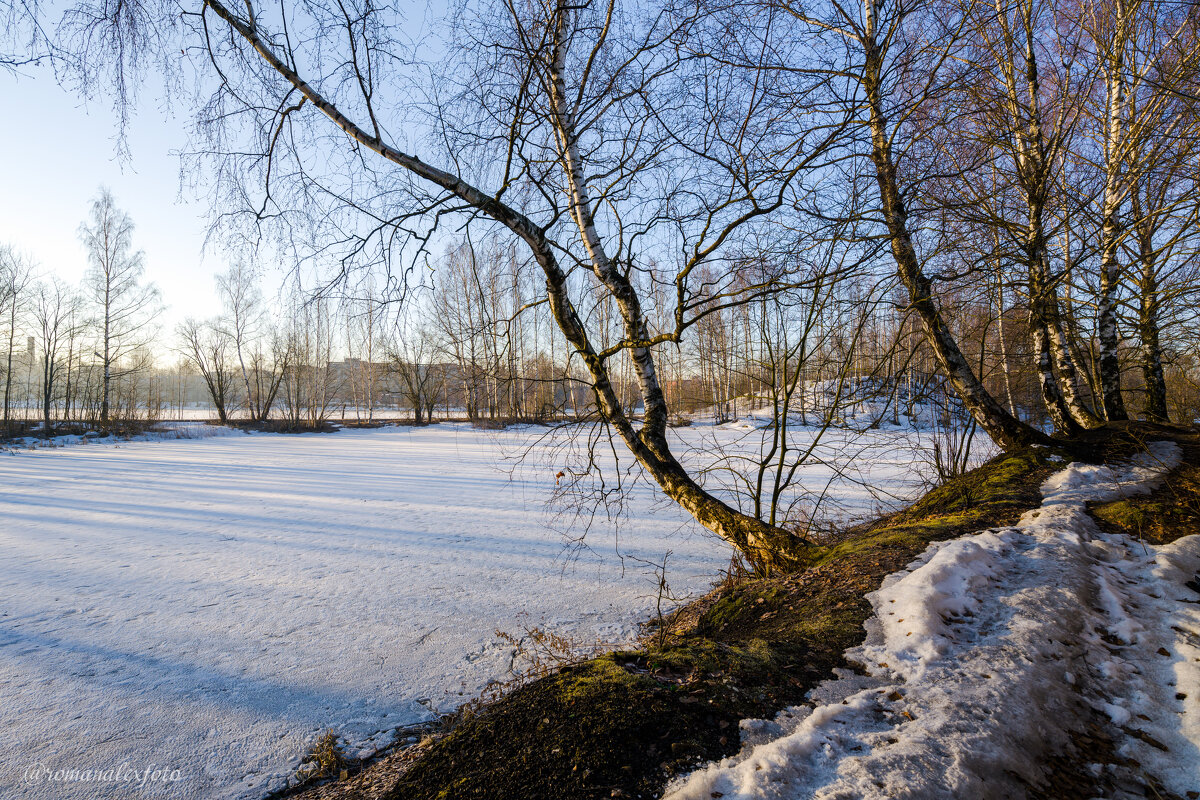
212 605
987 651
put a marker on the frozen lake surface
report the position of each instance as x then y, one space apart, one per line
212 605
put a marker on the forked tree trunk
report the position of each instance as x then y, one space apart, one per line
1069 381
1056 407
766 546
1059 394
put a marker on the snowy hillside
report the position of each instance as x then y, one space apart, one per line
863 465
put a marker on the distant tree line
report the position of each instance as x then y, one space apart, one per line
80 354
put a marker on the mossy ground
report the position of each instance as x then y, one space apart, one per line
1170 512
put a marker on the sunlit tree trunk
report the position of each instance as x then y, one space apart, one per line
1005 429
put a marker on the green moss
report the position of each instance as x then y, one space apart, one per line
587 729
701 658
1164 516
742 603
1127 516
900 536
836 623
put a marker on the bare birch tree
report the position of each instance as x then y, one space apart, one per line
123 307
585 107
1146 51
16 276
422 381
243 320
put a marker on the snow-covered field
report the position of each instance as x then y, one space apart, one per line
986 653
212 605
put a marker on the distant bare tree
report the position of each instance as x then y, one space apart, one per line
365 314
421 381
1165 208
123 307
308 385
16 276
237 287
207 346
54 308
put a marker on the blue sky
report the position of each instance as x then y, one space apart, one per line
64 148
59 156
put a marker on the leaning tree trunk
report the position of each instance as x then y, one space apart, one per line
1004 429
1078 378
766 546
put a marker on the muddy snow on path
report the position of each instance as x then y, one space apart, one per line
204 609
988 651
